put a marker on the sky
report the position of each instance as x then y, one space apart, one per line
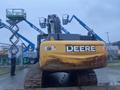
100 15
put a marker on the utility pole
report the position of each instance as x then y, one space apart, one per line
21 54
109 47
108 37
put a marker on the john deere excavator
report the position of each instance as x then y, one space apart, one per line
65 54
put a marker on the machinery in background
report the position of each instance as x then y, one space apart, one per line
74 55
67 20
15 16
13 48
28 47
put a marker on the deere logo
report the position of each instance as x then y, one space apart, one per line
71 48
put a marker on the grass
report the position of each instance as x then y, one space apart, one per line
116 63
4 70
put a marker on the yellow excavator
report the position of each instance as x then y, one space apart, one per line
66 59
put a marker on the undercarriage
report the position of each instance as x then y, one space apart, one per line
36 78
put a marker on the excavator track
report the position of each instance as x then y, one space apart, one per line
76 78
86 78
33 77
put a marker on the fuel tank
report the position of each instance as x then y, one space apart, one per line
72 55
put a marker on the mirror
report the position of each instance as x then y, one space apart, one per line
65 19
42 22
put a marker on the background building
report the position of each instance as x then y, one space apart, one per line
22 57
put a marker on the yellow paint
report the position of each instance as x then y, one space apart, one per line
76 58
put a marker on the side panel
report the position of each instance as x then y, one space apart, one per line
70 55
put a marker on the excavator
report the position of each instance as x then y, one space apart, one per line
66 59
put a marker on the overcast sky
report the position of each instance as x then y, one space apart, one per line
101 15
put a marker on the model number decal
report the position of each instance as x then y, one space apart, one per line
72 48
